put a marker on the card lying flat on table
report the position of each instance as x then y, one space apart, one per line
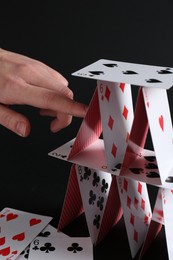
47 232
17 230
68 248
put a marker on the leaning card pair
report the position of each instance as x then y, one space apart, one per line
17 230
64 247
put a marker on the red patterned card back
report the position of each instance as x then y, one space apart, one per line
90 129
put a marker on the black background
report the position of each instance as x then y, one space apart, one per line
68 35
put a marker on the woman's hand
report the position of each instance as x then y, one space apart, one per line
25 81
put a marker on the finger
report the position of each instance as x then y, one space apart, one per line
34 72
46 112
42 76
43 98
14 121
60 122
38 74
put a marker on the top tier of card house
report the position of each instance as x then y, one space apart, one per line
129 73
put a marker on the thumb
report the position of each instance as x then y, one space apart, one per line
14 121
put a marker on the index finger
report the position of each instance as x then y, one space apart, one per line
70 106
47 99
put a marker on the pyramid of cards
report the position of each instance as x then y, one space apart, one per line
111 165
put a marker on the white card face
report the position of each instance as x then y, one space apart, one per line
144 168
167 198
48 231
159 118
137 211
158 215
94 187
130 73
93 156
63 151
17 230
169 182
117 115
68 248
24 254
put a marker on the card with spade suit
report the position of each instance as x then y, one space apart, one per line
130 73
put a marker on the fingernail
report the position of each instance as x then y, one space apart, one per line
21 129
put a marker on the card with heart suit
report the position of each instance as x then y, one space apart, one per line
17 230
150 113
69 248
130 73
139 163
159 118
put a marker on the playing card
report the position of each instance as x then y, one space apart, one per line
48 231
136 211
153 231
168 182
167 201
155 226
17 230
158 113
72 206
81 195
138 134
92 157
144 168
63 151
139 163
54 248
94 188
24 254
158 213
130 73
117 115
90 129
